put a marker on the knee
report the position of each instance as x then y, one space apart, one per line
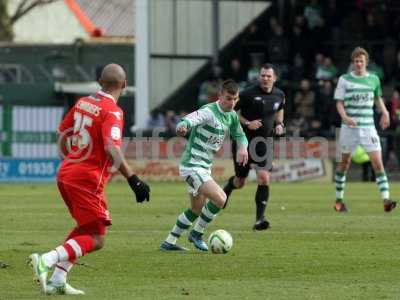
240 182
263 179
377 165
99 242
344 165
220 200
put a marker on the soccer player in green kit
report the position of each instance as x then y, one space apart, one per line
355 95
208 127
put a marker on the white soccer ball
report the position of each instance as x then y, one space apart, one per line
220 241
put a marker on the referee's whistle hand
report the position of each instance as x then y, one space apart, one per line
279 129
255 124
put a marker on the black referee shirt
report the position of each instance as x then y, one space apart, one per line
255 103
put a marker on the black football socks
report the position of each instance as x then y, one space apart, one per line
228 188
262 196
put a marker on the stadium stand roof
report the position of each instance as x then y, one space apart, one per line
105 18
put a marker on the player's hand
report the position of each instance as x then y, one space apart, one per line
140 188
385 120
181 130
279 129
255 124
242 156
350 122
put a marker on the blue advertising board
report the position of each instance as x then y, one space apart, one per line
28 170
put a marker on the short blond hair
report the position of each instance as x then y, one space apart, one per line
358 51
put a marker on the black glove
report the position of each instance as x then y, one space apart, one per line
140 188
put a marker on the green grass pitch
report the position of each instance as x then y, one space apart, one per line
310 252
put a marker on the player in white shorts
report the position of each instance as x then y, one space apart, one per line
208 127
355 95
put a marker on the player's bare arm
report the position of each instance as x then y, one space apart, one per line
384 122
345 118
279 128
140 188
119 161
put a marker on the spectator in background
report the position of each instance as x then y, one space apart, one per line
304 103
278 50
326 71
299 43
372 33
396 72
313 14
326 109
208 91
301 22
389 58
372 30
395 118
170 123
395 108
252 40
254 71
333 17
318 61
235 71
156 119
299 70
376 69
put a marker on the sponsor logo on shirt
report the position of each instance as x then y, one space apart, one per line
213 140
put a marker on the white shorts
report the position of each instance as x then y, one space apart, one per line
367 138
194 177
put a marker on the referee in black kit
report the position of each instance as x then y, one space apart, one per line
261 110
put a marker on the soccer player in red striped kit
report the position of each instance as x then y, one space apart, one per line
90 140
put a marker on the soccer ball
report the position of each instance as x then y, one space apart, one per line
220 241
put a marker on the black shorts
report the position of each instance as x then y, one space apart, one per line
260 156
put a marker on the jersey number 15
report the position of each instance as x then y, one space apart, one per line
81 137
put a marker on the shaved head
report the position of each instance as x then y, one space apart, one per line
113 77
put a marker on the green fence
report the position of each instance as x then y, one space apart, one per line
29 131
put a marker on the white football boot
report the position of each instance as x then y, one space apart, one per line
62 289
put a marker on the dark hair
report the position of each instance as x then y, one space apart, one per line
269 66
230 86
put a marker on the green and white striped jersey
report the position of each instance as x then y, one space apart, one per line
358 94
209 126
